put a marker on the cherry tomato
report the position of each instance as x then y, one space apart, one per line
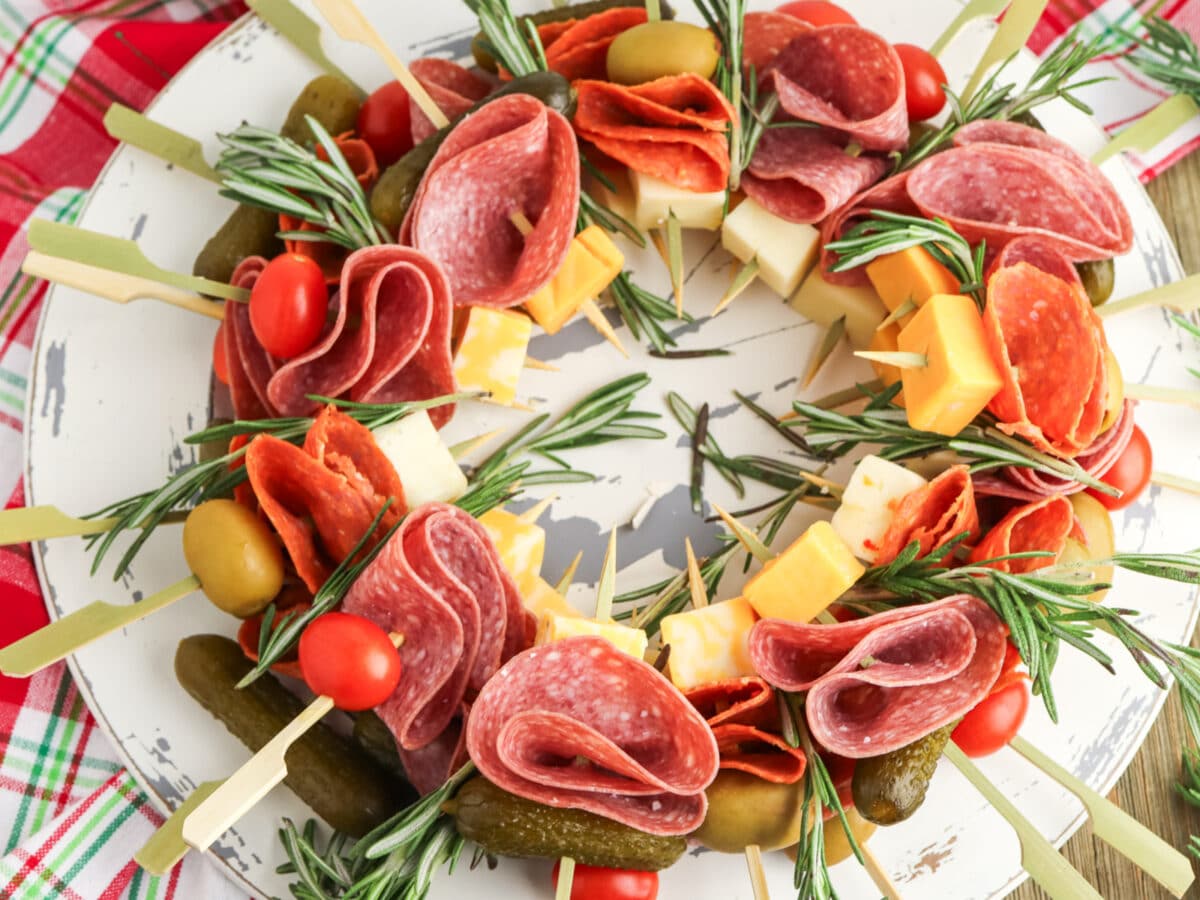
1130 473
923 80
220 363
601 883
385 123
349 659
994 720
817 13
288 304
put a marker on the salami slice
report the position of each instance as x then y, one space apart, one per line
1039 253
428 768
891 195
579 724
933 514
744 719
453 88
580 49
846 78
399 301
250 366
1044 525
514 155
879 683
673 128
804 174
765 34
1050 348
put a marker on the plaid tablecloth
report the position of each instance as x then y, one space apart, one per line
70 816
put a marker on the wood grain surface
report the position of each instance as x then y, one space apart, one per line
1147 788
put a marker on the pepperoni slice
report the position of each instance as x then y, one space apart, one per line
453 88
1041 525
580 50
932 515
744 719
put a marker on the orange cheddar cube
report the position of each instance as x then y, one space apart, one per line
592 262
887 340
806 578
911 274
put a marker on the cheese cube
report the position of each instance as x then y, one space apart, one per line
824 303
656 199
887 340
710 644
869 504
961 377
521 546
785 250
592 262
806 578
544 599
426 468
492 353
622 201
911 274
628 640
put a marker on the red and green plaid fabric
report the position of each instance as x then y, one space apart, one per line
70 817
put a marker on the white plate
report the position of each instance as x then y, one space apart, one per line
115 389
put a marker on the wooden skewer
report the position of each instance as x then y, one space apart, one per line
742 279
166 847
130 127
249 784
351 25
695 579
1011 35
470 445
833 336
898 358
1182 296
878 873
653 12
568 575
60 639
531 363
1175 482
974 10
606 587
566 878
758 877
302 32
1152 128
41 523
1155 394
534 512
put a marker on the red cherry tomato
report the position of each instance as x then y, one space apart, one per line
994 720
288 305
349 659
220 363
385 123
817 13
923 79
1130 473
601 883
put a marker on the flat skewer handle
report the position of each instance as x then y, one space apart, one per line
166 847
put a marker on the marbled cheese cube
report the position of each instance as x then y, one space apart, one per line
492 353
521 546
554 627
824 303
709 644
656 199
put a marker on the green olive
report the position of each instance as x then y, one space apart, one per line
837 848
235 556
1096 526
1098 276
657 49
743 809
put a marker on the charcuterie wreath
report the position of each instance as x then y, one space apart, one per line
391 256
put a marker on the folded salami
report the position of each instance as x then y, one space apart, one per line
1039 253
250 365
453 88
388 341
765 34
744 717
673 128
1042 525
514 155
932 515
1050 348
879 683
579 724
891 195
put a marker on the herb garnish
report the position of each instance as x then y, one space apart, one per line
1167 54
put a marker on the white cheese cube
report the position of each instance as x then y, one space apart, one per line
555 627
423 462
869 503
785 250
656 199
710 644
823 303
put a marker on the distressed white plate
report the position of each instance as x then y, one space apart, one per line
115 389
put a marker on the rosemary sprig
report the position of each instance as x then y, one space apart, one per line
643 311
688 418
672 595
1165 53
1191 328
518 49
726 18
261 168
1054 78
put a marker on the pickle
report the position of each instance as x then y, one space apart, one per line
1097 276
342 784
1028 118
479 44
889 788
332 101
376 739
394 192
507 825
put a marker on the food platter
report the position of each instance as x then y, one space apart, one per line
115 389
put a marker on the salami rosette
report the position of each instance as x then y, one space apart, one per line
399 300
514 155
250 366
744 719
765 34
673 128
453 88
1050 348
649 754
933 514
879 683
890 195
1044 525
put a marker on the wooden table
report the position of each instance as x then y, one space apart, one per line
1147 788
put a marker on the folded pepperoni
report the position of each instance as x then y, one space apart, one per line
673 128
879 683
578 724
744 718
804 174
250 366
1050 348
580 50
932 515
845 78
514 155
453 88
1041 525
389 339
765 34
346 447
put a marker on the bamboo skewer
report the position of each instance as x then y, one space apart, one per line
878 874
1010 37
1175 482
40 523
166 847
568 575
534 512
1152 128
1155 394
130 127
302 32
742 279
976 9
1182 296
